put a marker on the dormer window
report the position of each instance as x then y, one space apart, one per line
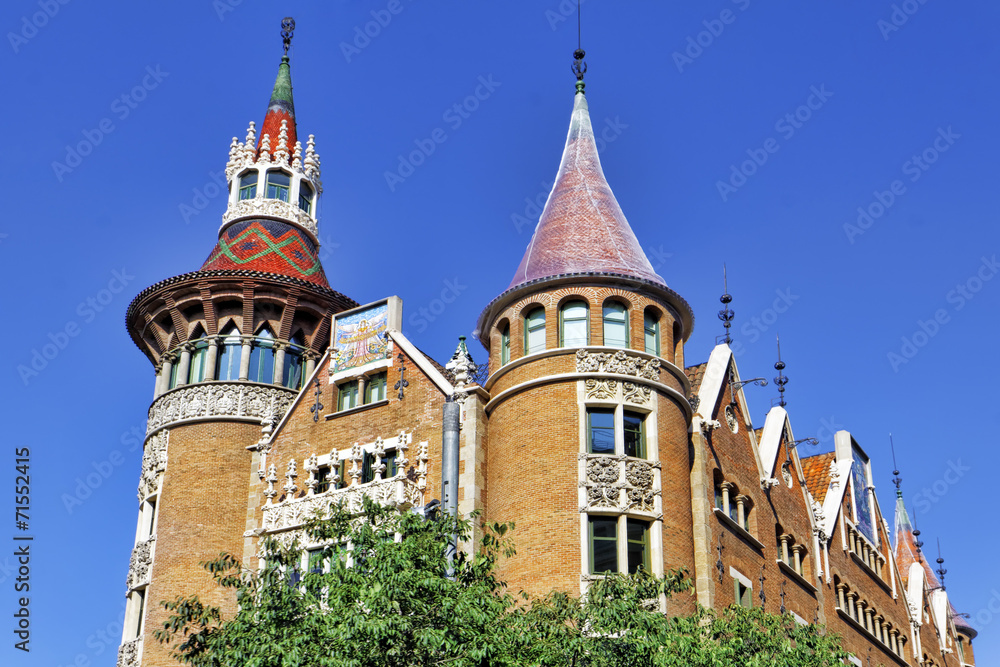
305 197
248 185
278 183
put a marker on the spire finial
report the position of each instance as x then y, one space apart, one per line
916 535
781 380
287 28
940 561
896 479
579 67
726 314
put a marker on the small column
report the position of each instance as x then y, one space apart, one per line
362 383
211 358
852 606
168 365
877 621
841 601
725 486
797 555
245 357
741 510
158 383
310 364
185 367
868 619
279 362
784 548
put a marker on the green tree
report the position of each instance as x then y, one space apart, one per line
377 595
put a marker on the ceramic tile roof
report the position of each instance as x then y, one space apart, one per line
278 109
582 228
817 473
269 246
695 375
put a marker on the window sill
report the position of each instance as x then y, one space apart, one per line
870 636
738 529
355 410
790 571
872 573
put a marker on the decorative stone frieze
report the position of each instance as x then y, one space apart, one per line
141 564
269 208
636 393
618 362
234 400
129 653
601 390
607 477
154 463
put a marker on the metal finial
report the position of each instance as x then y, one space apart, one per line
579 67
781 380
897 480
940 561
916 535
726 314
317 407
287 28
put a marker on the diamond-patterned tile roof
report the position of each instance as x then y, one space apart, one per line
269 246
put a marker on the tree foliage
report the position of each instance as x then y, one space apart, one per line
382 597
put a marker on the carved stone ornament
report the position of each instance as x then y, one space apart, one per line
602 483
235 400
641 491
601 390
636 393
154 463
786 474
141 563
399 491
619 362
129 653
269 208
734 425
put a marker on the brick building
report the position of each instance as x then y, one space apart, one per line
274 393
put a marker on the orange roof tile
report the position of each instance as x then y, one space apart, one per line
817 472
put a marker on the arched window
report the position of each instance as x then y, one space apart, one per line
248 185
228 367
534 331
277 185
505 345
305 196
262 358
615 325
651 327
292 373
198 370
573 327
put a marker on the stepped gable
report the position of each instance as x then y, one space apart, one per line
582 229
269 246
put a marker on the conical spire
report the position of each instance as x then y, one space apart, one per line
280 108
582 229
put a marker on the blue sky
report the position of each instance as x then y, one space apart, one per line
735 131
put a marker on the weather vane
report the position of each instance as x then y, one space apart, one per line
287 28
579 67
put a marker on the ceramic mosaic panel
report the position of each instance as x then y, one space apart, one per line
361 337
862 500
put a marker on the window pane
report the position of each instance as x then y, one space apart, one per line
603 544
602 431
323 479
534 326
615 329
574 324
635 442
278 178
638 545
248 186
348 395
652 329
504 346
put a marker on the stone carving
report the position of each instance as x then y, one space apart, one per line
269 208
640 478
636 393
154 462
141 563
129 653
603 473
618 362
601 390
734 425
399 491
220 399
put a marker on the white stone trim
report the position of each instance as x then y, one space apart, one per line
738 576
423 363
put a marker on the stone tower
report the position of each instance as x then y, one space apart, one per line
231 344
588 412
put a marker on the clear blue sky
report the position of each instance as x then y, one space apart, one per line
675 127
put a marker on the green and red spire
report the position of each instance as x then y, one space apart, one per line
281 106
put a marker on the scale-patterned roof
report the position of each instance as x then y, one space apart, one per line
817 473
582 228
269 246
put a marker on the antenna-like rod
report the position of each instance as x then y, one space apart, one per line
287 28
916 535
781 380
726 314
579 67
940 561
897 480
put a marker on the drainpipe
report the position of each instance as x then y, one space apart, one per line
449 471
